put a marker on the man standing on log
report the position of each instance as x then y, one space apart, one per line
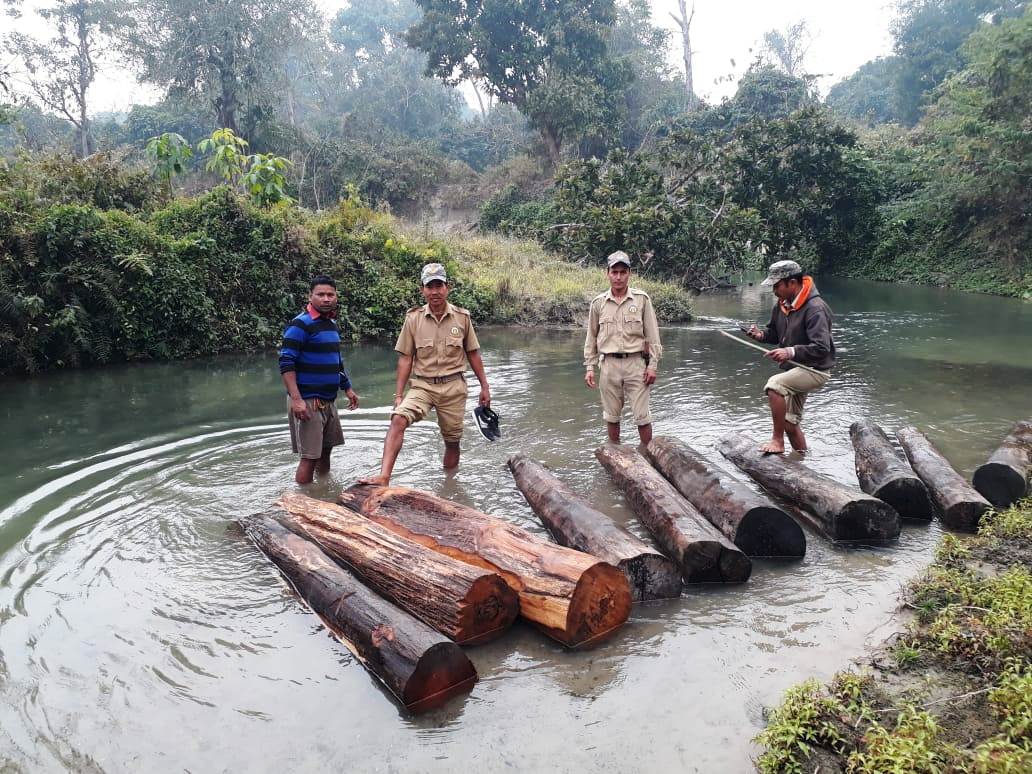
313 371
800 324
623 332
436 341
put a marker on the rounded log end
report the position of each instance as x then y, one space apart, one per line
443 671
909 496
652 576
770 532
491 607
964 516
600 605
1000 484
867 520
735 566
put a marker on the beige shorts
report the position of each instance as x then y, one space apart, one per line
448 399
622 380
794 384
309 437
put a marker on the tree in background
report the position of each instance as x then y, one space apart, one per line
869 94
786 49
684 22
60 71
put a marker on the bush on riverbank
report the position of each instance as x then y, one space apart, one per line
92 273
953 693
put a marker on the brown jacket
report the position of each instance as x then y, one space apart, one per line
807 329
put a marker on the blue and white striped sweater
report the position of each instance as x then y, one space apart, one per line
311 349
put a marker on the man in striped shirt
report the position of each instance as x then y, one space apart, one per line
313 372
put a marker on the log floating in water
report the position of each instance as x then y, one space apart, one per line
470 605
884 475
959 505
750 520
704 555
421 667
571 596
1004 478
575 524
836 511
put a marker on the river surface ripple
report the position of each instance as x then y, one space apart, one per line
140 632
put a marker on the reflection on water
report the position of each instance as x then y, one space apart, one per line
140 631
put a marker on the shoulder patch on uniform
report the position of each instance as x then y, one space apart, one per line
460 310
639 292
413 309
600 296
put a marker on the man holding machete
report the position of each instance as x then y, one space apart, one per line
800 324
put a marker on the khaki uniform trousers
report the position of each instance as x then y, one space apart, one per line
448 399
622 380
795 384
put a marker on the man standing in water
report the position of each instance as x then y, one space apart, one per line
313 371
800 324
436 341
624 333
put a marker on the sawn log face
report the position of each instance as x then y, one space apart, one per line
575 524
1004 478
884 475
753 522
959 505
571 596
839 512
703 553
469 605
419 666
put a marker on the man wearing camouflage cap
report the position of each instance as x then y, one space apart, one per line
624 334
436 341
800 324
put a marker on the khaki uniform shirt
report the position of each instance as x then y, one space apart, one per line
439 348
627 325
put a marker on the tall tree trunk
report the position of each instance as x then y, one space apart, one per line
86 76
684 21
553 144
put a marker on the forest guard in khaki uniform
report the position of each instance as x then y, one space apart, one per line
623 332
435 343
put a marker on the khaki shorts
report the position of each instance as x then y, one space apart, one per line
449 399
623 380
310 437
795 384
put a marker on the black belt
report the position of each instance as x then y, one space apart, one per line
622 354
439 379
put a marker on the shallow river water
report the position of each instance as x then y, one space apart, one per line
140 632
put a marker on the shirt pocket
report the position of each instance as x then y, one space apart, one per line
452 341
607 326
425 349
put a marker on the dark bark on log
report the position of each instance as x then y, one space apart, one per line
752 521
834 510
420 667
1004 479
469 605
704 555
959 505
884 475
571 596
575 524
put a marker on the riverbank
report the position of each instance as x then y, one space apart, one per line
952 692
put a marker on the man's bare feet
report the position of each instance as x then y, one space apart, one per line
773 447
375 480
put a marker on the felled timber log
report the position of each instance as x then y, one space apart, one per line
421 667
959 505
884 475
750 520
575 524
470 605
704 555
571 596
839 512
1004 478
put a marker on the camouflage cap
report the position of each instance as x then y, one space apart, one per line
431 272
781 270
618 257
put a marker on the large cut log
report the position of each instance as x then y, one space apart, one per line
959 505
837 511
421 667
1004 478
569 595
575 524
884 475
704 555
469 604
751 521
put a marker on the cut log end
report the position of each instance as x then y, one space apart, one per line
441 673
600 605
868 521
964 516
1000 484
908 496
708 561
770 532
652 577
492 606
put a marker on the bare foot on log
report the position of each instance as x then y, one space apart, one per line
773 447
380 480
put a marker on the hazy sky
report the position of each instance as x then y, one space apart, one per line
844 37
